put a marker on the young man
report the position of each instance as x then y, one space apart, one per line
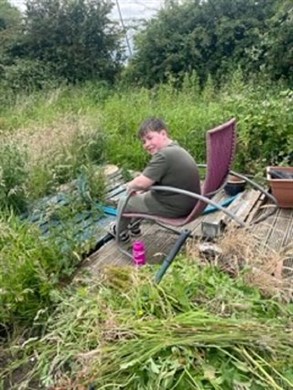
170 165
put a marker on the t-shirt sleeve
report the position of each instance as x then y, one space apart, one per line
156 168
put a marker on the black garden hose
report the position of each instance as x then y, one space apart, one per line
172 254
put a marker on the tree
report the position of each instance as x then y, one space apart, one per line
10 24
75 37
278 42
210 37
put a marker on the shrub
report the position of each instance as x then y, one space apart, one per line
26 76
31 269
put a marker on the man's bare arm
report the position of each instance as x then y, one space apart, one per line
140 183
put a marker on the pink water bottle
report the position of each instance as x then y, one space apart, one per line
139 253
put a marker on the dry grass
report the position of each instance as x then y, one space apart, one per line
41 141
239 251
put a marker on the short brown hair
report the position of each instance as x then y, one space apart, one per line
151 124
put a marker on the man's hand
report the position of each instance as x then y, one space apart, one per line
140 183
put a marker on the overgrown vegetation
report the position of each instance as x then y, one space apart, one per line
37 163
199 329
76 41
34 261
210 37
110 121
65 110
31 268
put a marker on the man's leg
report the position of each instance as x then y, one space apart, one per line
144 204
136 204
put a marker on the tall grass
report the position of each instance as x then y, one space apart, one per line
13 173
198 330
263 113
35 163
32 165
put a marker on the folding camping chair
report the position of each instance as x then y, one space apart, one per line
221 144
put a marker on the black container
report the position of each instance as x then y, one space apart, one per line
234 187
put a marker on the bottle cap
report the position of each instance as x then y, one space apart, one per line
138 245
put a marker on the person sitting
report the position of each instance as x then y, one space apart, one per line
170 165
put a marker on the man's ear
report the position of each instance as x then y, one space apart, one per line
164 133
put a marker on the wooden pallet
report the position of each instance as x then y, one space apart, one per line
276 229
214 224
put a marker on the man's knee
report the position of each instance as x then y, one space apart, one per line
130 206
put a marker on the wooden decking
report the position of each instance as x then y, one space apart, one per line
276 231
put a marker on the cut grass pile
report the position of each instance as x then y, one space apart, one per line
198 329
239 249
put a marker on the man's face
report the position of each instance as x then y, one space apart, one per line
154 141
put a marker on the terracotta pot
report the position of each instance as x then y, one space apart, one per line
234 185
280 180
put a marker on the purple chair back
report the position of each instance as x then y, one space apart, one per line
220 144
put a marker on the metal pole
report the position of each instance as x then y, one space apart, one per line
123 25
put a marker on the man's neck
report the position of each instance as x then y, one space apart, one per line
168 142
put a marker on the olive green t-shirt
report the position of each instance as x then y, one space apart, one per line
172 166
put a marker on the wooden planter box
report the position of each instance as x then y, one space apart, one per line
280 180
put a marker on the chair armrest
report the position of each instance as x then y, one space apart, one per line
182 192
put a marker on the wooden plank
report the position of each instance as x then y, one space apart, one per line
117 190
158 243
275 238
113 200
256 207
195 226
263 229
213 226
276 229
247 203
112 184
288 236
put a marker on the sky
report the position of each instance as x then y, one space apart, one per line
130 9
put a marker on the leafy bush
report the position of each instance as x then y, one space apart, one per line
264 126
26 76
31 269
207 36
